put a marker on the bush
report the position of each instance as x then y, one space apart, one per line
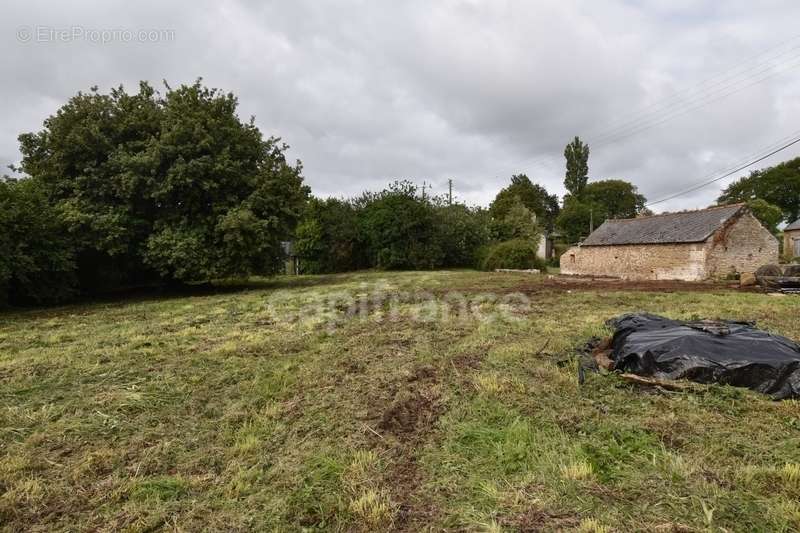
396 228
328 238
399 227
516 253
461 232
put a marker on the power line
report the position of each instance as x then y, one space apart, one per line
699 93
726 84
727 174
722 75
625 130
668 115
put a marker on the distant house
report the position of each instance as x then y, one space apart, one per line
791 239
291 263
545 249
691 246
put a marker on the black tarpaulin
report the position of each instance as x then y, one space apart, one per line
729 352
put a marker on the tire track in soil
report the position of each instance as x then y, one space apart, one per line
407 425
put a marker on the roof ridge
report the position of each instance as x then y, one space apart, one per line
682 227
739 205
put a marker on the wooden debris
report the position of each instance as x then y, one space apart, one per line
653 382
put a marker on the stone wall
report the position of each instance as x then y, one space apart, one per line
741 246
637 261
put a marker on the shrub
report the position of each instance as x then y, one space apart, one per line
328 238
461 232
516 253
399 227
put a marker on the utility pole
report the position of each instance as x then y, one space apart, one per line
450 192
425 186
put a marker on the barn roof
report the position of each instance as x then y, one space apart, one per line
684 227
793 226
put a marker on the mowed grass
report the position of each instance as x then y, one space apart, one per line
285 406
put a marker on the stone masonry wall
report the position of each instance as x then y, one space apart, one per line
741 246
637 261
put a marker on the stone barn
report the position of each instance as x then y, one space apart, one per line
691 246
791 240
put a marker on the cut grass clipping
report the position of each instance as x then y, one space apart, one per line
291 404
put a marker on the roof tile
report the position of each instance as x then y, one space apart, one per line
684 227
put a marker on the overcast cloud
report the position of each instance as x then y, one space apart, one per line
370 91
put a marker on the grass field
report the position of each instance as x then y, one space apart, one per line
425 403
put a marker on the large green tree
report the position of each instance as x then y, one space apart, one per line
519 222
173 186
769 215
532 195
575 219
778 185
37 263
615 198
92 160
577 155
599 201
399 227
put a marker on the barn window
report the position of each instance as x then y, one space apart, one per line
571 258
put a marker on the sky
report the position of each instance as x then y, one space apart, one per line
667 93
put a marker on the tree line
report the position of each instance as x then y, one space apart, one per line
127 189
402 228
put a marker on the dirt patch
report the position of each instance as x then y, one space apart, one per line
404 412
405 424
413 511
560 283
465 362
355 367
535 520
411 416
424 373
614 284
